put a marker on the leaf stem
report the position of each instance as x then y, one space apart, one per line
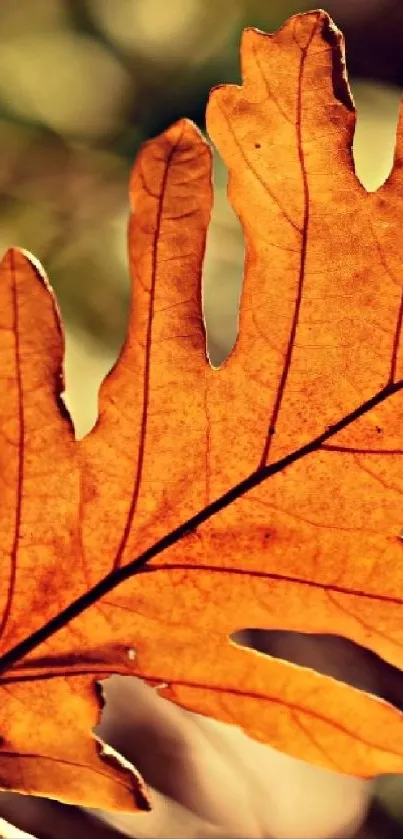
119 575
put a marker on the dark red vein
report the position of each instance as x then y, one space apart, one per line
147 366
396 341
114 578
63 762
274 700
245 694
355 450
269 575
20 455
304 243
59 671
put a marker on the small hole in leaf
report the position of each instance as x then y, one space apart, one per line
257 146
131 654
329 655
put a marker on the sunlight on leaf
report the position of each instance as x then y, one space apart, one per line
306 410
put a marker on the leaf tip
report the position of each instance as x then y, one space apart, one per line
180 138
320 21
19 258
307 22
183 130
298 29
181 135
14 256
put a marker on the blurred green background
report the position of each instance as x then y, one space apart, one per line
82 84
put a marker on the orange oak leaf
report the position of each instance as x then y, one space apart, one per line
302 421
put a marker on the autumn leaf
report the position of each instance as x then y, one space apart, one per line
263 494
